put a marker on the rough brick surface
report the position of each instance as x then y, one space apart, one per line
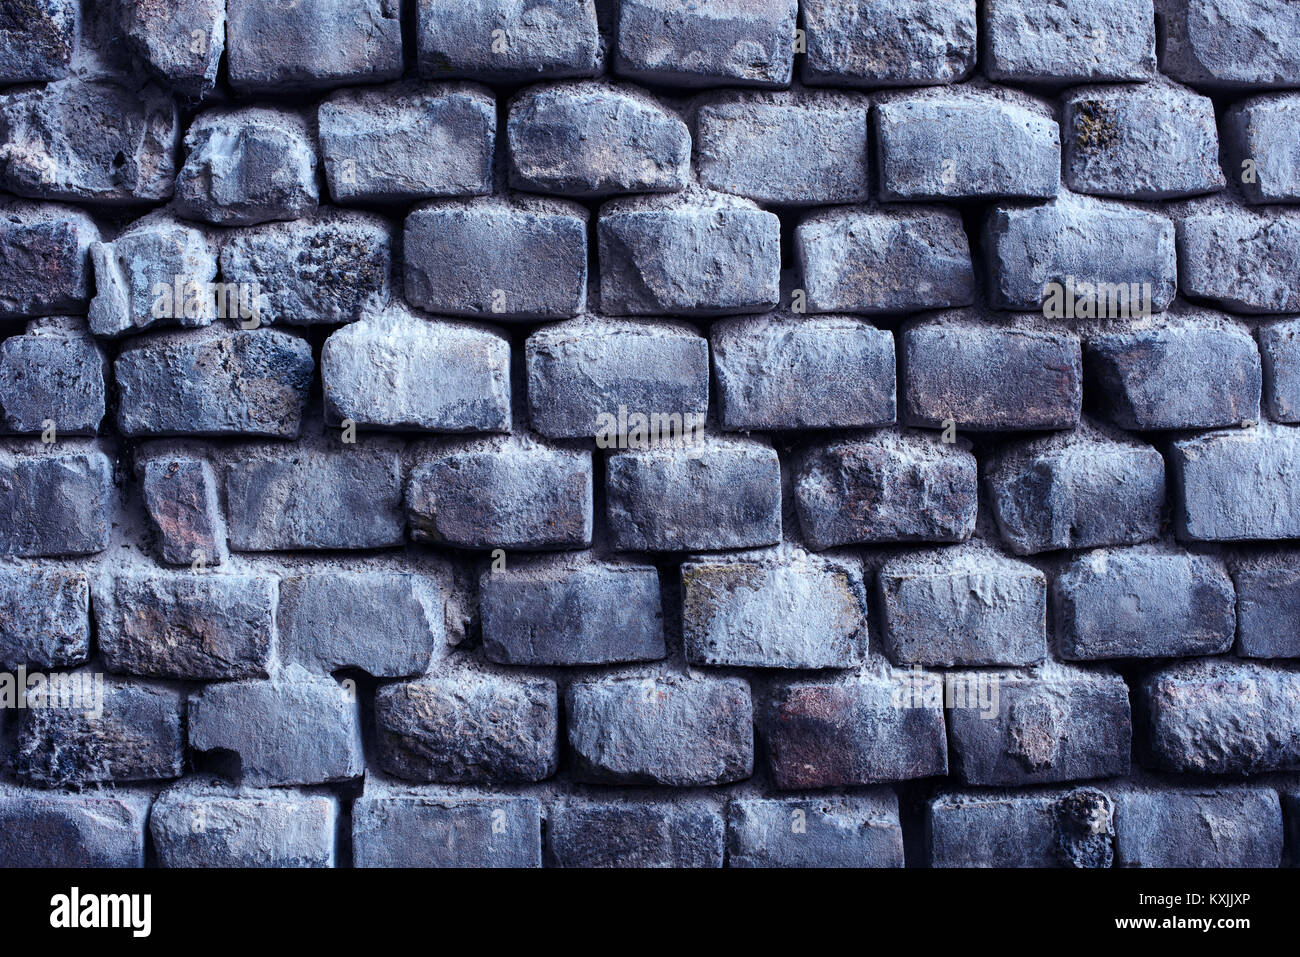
411 830
1008 829
198 828
586 834
43 829
1069 41
910 43
846 832
1228 827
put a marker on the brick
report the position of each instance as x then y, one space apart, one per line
312 44
314 498
54 373
791 371
1054 829
1268 609
181 497
291 730
1060 725
157 272
590 140
37 41
1225 827
1153 141
963 606
958 144
784 148
594 834
1225 46
1240 258
408 141
522 258
671 730
191 828
851 732
44 259
247 166
689 254
432 831
1192 372
884 260
549 39
776 610
388 624
401 371
1142 603
1259 135
58 503
328 268
1279 346
858 831
470 728
185 626
885 487
1220 716
913 43
1079 490
1104 252
216 381
981 375
125 732
713 494
44 617
1069 41
41 829
91 142
555 613
582 373
1237 485
180 41
511 492
720 42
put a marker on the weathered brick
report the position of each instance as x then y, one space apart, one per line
959 144
291 730
53 374
1069 41
668 730
37 40
507 41
312 44
963 606
1268 608
785 148
1193 371
1150 141
1243 259
44 259
179 40
180 494
1053 829
884 260
851 732
44 617
694 253
1237 484
885 487
857 831
1260 134
215 381
1230 44
1279 346
401 371
521 258
774 610
911 43
1060 725
56 502
470 728
1078 490
590 140
712 494
408 141
199 827
1143 603
40 829
559 613
962 369
1225 827
1220 716
722 42
590 834
509 492
415 830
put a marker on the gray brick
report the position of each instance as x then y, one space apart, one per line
180 495
55 373
44 259
1279 345
1226 827
592 834
1069 41
858 831
191 828
180 41
1006 829
1237 485
1268 609
57 502
1245 260
44 617
434 831
1260 134
39 829
1230 44
37 41
544 40
912 43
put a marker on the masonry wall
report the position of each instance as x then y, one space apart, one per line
489 433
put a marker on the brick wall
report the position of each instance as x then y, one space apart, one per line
771 433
